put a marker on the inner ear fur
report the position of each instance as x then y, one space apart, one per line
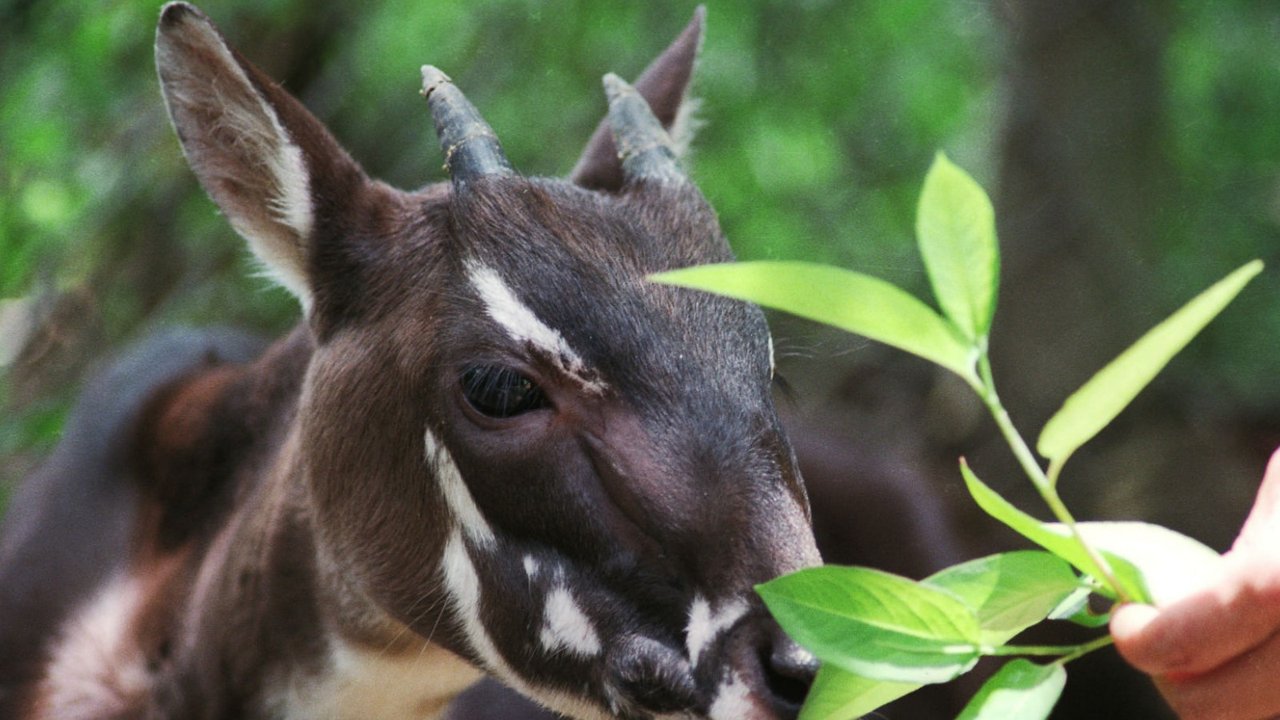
273 169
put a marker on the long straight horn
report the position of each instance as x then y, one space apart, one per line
471 150
644 148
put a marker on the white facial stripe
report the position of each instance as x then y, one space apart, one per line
456 495
705 626
732 701
520 322
463 585
566 626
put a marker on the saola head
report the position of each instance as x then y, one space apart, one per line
515 445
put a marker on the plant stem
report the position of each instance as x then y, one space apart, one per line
1043 484
1055 469
1086 648
1067 653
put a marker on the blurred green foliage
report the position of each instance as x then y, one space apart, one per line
821 118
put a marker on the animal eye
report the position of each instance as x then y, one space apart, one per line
501 392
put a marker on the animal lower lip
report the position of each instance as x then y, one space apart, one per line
654 675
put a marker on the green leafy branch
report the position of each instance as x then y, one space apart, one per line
881 636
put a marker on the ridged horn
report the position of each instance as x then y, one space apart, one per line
644 148
471 149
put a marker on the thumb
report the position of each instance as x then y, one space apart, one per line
1135 640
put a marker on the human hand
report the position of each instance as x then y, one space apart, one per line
1215 653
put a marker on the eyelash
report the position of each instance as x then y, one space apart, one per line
501 392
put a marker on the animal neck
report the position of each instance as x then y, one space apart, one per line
262 611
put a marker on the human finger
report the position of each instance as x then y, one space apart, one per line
1206 629
1241 689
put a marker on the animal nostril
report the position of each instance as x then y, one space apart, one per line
789 671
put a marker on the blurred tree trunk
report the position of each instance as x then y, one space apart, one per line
1082 177
1084 180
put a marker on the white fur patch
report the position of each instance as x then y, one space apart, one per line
463 585
358 683
566 626
733 701
520 322
456 494
531 566
685 126
705 625
96 670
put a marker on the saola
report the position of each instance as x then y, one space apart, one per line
491 445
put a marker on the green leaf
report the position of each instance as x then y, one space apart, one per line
1054 538
1008 593
842 298
1172 564
839 695
956 229
1011 591
1021 689
1107 393
875 624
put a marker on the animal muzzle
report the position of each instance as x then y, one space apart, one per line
738 665
753 671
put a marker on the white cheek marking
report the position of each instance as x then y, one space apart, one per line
456 495
531 566
705 625
463 585
732 701
565 625
523 325
96 669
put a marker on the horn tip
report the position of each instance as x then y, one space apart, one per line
432 78
615 87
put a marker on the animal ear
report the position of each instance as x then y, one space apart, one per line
665 85
262 157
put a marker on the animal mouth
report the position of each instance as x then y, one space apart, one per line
751 671
654 676
764 674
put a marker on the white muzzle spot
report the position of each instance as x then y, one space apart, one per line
705 626
565 626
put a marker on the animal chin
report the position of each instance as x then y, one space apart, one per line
651 676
